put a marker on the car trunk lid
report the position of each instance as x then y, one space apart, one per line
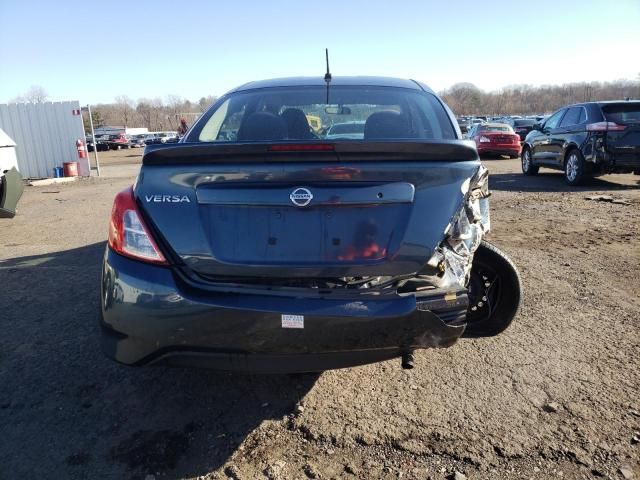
357 209
623 127
502 138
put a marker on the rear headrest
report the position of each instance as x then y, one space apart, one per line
297 124
262 126
386 125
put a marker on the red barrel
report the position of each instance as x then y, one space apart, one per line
70 169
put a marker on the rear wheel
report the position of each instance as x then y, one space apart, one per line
574 168
528 168
494 292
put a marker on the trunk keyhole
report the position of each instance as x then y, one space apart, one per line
380 195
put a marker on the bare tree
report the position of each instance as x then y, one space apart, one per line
158 116
125 109
144 109
175 105
466 99
35 94
206 102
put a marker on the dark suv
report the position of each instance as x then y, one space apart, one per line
586 139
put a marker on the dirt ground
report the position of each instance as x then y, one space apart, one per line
556 396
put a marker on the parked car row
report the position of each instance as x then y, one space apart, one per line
120 140
582 140
160 137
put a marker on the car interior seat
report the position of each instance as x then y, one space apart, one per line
387 125
261 126
297 124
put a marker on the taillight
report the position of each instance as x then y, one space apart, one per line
604 126
128 235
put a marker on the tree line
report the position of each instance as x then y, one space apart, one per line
467 99
159 114
154 113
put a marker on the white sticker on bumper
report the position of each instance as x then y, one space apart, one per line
292 321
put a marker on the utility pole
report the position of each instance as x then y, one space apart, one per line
95 143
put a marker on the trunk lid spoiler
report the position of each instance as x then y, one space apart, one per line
344 151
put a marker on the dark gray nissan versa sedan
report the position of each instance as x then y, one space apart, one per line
257 244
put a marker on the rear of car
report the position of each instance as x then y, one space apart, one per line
522 126
137 141
149 138
283 250
118 141
496 139
616 140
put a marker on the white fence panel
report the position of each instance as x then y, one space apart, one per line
45 135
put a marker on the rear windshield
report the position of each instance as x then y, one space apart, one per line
495 128
284 113
622 112
525 122
339 128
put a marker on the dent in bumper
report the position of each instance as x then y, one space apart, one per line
146 318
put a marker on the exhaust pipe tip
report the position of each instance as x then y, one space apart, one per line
408 361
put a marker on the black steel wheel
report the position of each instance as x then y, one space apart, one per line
494 292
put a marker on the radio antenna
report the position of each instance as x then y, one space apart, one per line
327 76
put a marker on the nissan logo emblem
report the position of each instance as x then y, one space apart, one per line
301 197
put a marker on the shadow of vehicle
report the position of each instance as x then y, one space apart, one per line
68 412
550 181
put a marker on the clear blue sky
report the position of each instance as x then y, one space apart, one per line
93 51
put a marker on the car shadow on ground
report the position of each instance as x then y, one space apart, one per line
550 181
68 412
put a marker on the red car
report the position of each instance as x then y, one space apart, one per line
118 141
496 139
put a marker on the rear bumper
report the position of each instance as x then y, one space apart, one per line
148 317
623 162
500 150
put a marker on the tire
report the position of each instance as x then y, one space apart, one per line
494 292
574 168
528 168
